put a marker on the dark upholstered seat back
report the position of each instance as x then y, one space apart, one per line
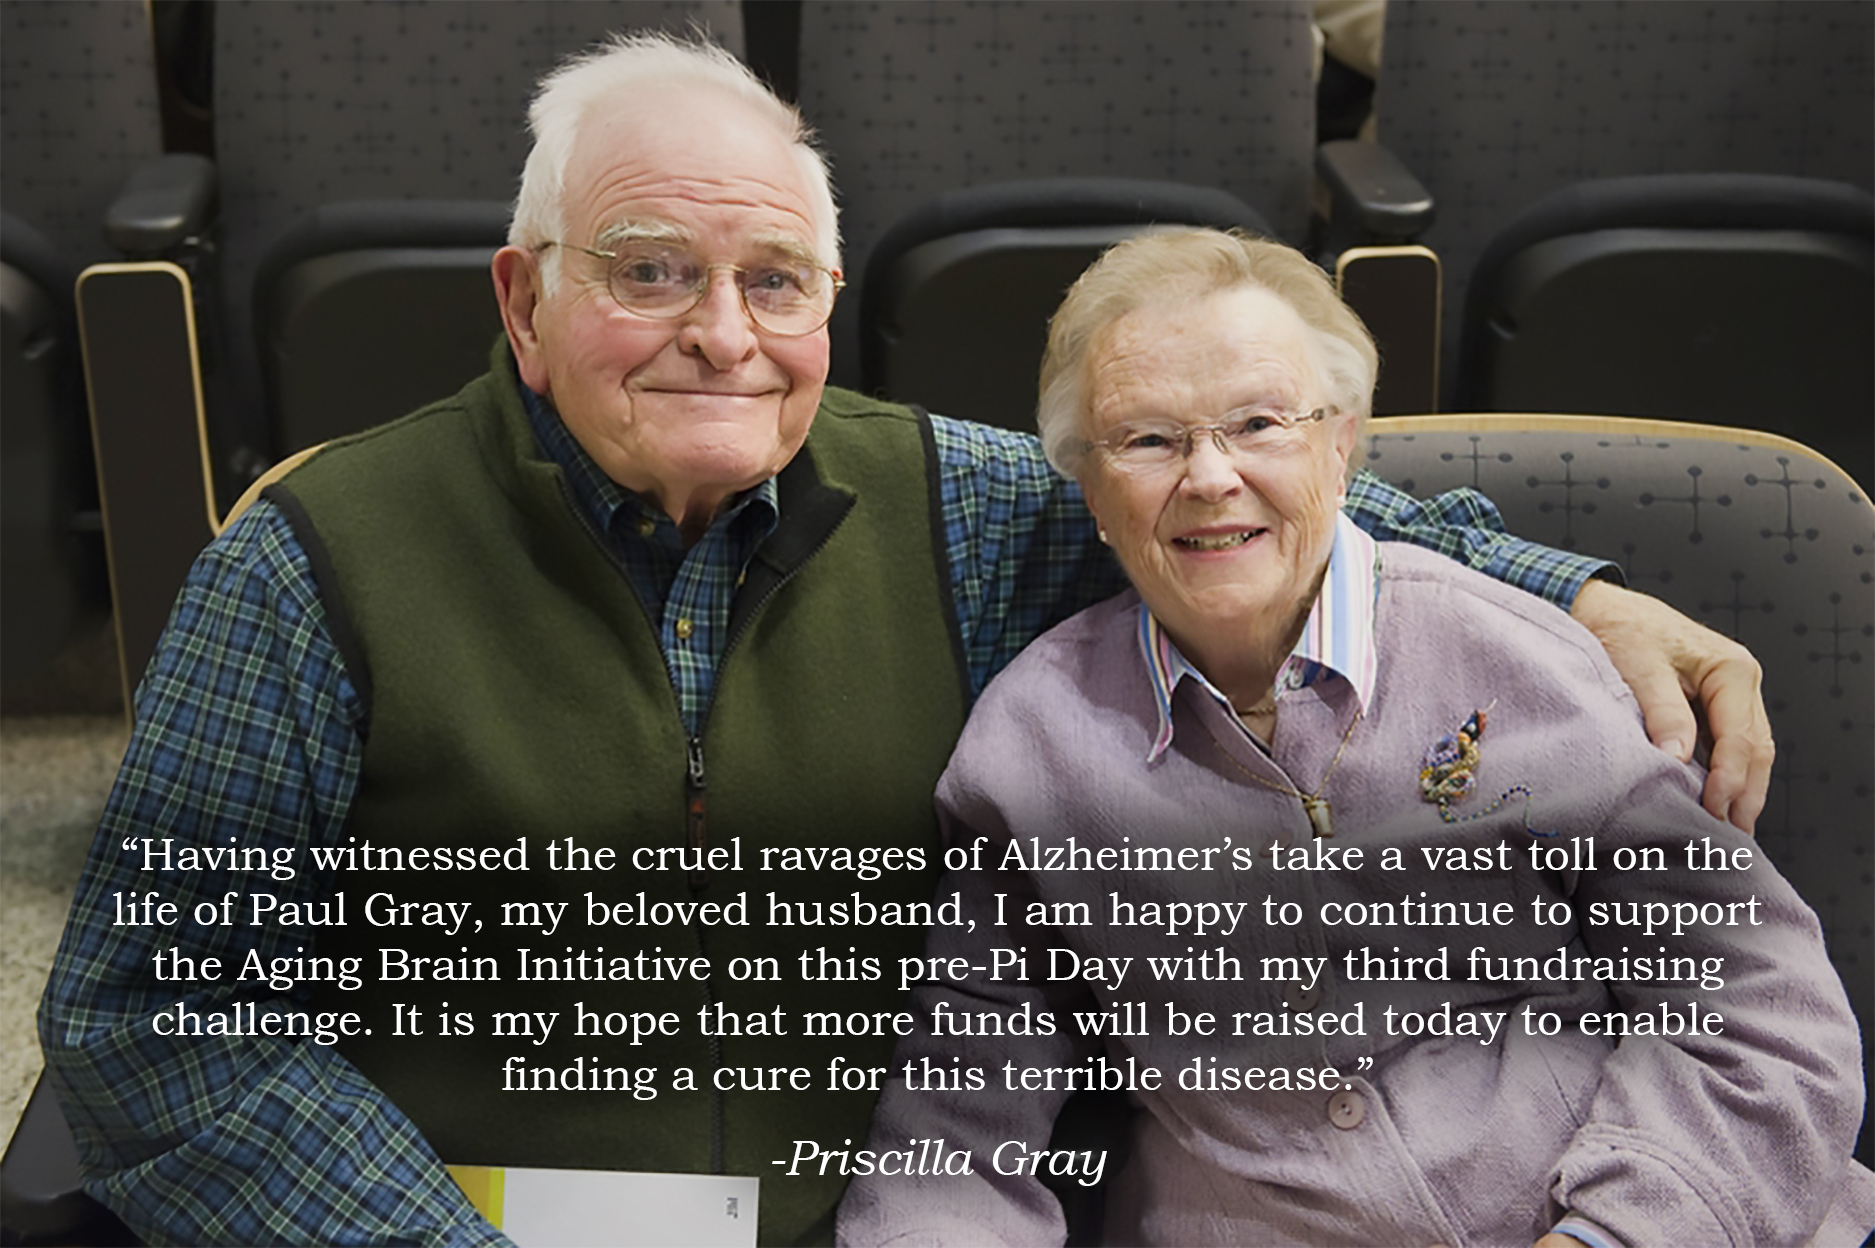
916 99
1733 299
327 102
956 299
1495 105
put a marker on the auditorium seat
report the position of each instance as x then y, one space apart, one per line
914 100
79 112
338 296
317 103
1493 106
1750 534
956 297
47 465
1733 299
320 103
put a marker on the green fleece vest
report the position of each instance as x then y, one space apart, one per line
516 693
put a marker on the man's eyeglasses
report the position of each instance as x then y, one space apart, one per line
787 298
1247 433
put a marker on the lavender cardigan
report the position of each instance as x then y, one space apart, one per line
1737 1137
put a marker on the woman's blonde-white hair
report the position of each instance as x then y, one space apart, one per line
639 65
1164 266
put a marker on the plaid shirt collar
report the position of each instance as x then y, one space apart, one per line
1337 639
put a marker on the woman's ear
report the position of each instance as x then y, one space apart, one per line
1344 434
1087 498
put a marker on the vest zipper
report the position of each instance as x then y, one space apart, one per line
696 830
695 826
729 647
695 834
693 782
693 793
698 836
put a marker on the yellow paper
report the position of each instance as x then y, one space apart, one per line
483 1186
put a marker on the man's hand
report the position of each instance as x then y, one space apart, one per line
1673 665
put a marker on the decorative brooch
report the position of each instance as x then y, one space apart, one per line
1449 773
1450 770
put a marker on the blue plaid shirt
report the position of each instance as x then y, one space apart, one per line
250 732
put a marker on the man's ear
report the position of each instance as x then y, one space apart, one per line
516 272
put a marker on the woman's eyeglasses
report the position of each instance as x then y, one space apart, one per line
1247 433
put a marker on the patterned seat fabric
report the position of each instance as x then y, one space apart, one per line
1494 105
914 99
78 108
1756 538
324 101
79 114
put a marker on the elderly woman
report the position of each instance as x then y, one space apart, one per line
1310 845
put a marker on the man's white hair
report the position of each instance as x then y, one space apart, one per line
640 64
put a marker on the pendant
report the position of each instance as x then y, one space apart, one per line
1320 818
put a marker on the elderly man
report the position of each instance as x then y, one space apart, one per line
612 597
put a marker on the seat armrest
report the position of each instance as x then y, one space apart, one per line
1373 198
165 203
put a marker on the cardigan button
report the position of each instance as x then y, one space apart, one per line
1296 997
1347 1109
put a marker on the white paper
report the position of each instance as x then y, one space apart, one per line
621 1209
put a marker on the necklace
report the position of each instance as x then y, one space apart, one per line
1314 805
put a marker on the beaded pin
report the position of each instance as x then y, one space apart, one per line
1450 769
1449 773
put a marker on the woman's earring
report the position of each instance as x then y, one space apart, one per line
1103 537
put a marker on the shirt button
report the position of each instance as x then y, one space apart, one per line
647 526
684 629
1347 1109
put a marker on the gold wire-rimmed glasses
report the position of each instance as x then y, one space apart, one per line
1245 433
786 297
